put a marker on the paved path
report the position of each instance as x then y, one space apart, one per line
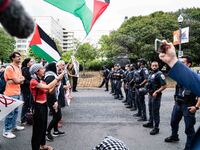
93 115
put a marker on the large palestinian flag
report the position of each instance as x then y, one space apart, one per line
43 46
82 9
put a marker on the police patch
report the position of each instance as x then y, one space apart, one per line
162 76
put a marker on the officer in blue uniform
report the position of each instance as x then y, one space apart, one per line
187 78
131 88
141 76
184 99
118 74
155 85
105 81
126 72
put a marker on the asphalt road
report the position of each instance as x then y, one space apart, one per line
93 115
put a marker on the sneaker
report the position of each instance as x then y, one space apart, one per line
154 131
18 128
148 125
9 135
58 133
49 137
172 139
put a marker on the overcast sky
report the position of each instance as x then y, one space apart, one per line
112 17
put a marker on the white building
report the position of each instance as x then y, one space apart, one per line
49 25
68 40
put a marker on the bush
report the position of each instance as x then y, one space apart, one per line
97 65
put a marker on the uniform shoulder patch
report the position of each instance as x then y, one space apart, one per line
162 76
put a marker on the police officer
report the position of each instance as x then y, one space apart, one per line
131 88
185 105
111 78
126 72
118 74
141 76
155 85
105 81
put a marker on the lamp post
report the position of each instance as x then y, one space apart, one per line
180 20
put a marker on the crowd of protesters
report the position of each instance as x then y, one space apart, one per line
45 88
137 81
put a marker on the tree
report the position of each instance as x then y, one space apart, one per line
66 56
33 55
7 45
85 54
136 35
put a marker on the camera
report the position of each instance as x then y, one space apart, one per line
160 47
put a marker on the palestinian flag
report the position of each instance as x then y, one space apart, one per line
43 46
82 10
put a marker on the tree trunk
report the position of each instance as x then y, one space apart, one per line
1 61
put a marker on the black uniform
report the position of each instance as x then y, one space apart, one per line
118 83
140 75
105 78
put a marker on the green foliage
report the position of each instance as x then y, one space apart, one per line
136 35
86 53
7 45
31 54
97 65
66 56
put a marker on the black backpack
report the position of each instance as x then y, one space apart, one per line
2 83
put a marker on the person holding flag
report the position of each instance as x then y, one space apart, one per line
39 88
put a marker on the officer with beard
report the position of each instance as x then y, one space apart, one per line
155 85
141 76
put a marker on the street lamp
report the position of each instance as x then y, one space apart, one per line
180 20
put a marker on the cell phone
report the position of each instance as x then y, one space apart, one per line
158 44
160 47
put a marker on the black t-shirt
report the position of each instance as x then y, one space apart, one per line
51 97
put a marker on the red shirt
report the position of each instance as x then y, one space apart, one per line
41 93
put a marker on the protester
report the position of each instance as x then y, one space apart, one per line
13 78
52 101
39 88
26 94
75 73
61 97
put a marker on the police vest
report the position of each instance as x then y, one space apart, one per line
139 75
153 82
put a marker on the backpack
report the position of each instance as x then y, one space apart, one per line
2 83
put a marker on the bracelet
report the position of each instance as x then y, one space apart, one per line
197 108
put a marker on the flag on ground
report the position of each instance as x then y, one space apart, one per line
8 104
43 46
184 36
81 9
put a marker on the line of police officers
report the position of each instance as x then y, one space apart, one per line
138 81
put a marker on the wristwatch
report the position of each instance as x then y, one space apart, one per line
197 108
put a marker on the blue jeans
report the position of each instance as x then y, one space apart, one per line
11 118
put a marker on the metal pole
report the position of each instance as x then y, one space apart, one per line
180 52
